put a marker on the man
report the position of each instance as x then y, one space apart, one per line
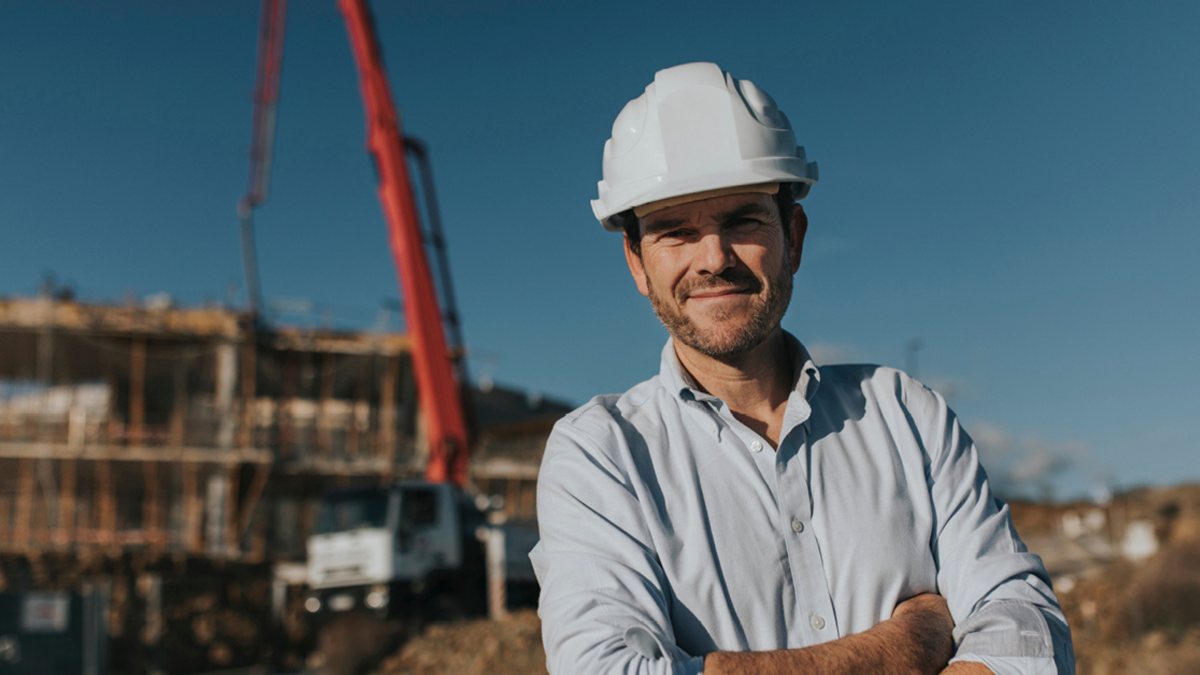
746 511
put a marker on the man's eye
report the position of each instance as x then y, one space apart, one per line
676 234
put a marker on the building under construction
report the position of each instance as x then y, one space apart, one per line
185 439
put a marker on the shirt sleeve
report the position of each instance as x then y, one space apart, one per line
1005 613
602 605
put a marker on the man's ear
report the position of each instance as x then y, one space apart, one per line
799 227
635 268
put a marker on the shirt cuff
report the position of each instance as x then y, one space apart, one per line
690 666
648 645
1013 665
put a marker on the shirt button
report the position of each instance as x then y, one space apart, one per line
797 526
712 426
756 446
818 622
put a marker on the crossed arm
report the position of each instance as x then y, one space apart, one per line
917 639
605 611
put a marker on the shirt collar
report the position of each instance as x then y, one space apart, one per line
805 379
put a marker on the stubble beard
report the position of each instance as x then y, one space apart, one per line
725 345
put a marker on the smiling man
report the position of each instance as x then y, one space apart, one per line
746 510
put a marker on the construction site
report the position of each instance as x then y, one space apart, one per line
166 464
203 487
193 489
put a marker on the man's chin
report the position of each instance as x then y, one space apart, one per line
721 342
724 331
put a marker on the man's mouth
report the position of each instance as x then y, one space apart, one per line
720 287
717 292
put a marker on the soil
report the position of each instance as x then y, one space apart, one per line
506 647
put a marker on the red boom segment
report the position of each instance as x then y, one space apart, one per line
266 96
437 390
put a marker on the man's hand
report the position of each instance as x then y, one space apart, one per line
917 640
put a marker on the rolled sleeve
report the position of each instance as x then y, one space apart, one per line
1044 646
1004 609
602 604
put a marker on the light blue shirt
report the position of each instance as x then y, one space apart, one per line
670 530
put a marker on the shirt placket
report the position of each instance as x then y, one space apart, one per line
813 620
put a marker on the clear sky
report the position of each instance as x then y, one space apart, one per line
1014 184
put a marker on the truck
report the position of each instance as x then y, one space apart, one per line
414 550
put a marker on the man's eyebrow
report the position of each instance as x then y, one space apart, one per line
750 209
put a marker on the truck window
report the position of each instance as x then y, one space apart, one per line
419 510
341 513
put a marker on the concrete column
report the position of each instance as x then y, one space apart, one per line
137 390
66 506
215 519
497 566
387 410
325 425
226 378
152 628
249 391
192 535
179 402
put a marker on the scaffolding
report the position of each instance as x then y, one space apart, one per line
177 456
189 429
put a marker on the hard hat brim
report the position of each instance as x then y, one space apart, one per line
762 188
697 185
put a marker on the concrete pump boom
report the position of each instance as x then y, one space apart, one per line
266 97
437 390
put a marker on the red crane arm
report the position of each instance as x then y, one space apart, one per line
437 389
266 96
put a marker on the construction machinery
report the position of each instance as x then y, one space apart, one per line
401 545
439 374
414 549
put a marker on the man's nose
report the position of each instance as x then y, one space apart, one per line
715 254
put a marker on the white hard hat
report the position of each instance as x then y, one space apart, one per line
696 129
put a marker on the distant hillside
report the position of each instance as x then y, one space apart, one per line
1128 576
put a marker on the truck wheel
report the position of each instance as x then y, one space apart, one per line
445 608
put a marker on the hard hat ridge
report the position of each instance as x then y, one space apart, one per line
696 128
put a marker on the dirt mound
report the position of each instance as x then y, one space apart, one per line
1140 618
512 646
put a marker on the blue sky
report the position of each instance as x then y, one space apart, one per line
1012 183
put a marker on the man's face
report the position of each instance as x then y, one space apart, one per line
718 272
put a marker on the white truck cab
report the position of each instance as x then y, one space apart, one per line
408 547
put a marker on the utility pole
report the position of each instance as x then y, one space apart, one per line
910 356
